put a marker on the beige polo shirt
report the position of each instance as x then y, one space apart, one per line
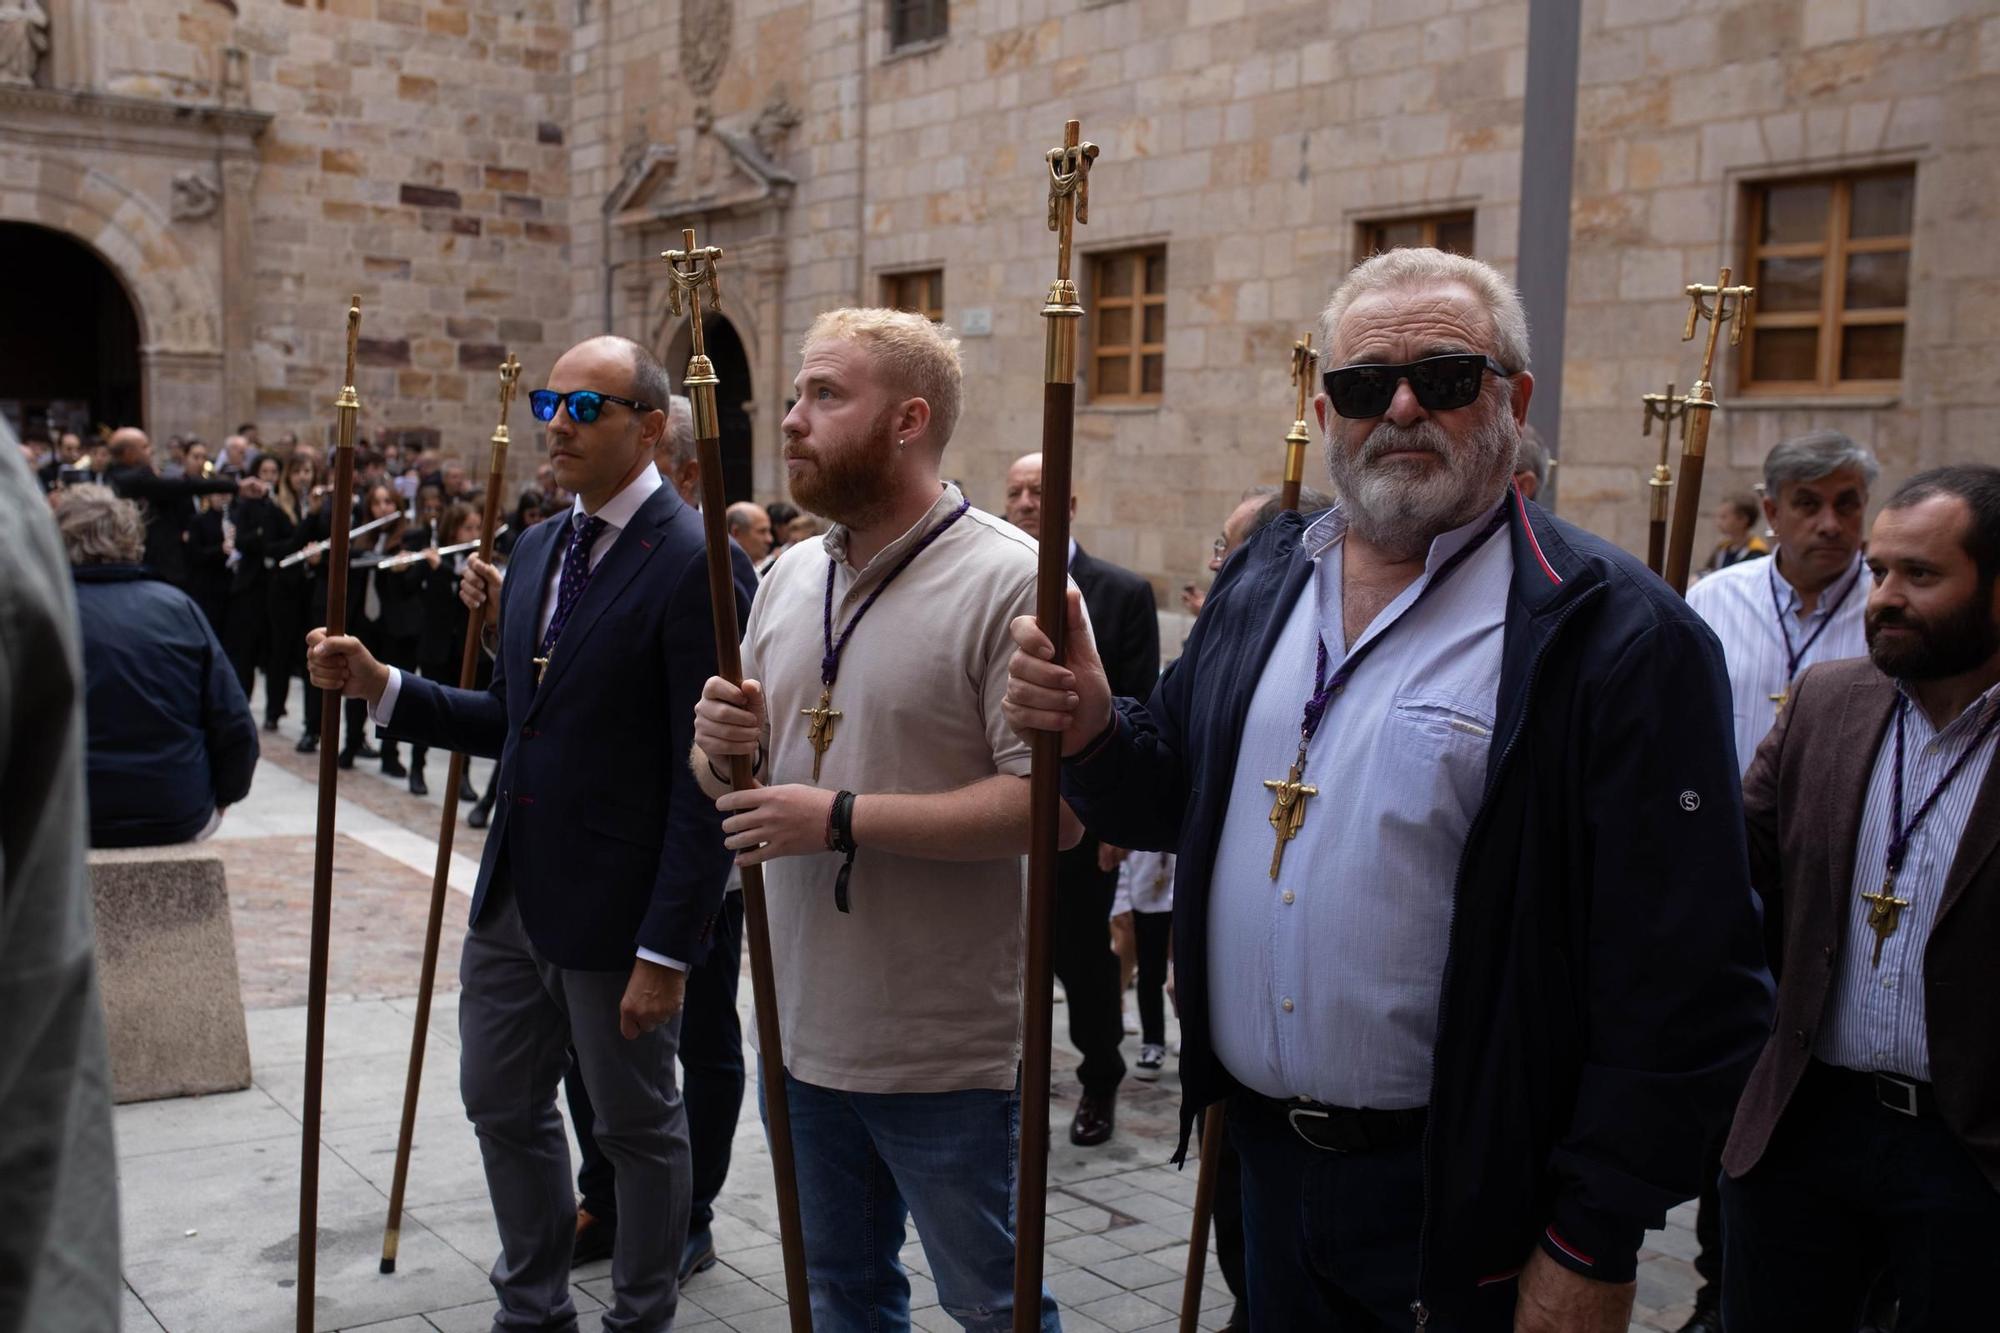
918 988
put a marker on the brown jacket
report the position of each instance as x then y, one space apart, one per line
1802 801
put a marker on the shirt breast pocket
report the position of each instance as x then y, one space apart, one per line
1449 736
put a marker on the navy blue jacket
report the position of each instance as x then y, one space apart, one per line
600 829
1604 989
171 736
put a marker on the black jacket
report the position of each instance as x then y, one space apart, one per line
169 508
1604 990
170 733
1124 620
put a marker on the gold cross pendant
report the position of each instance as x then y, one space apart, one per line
1288 808
541 668
1780 699
820 731
1885 914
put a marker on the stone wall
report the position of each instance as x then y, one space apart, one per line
1679 104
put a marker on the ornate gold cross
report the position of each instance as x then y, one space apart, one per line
819 730
1288 808
1717 315
1884 914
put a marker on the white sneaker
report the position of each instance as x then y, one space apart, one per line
1151 1059
1131 1024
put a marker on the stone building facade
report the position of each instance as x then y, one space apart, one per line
243 168
495 175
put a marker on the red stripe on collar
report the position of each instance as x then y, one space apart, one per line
1521 503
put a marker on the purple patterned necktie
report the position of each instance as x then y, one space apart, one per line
575 578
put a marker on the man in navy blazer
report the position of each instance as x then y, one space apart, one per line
604 867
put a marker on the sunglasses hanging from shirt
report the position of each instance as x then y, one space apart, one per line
583 405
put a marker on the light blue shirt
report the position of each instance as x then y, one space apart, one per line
1740 603
1875 1013
1326 982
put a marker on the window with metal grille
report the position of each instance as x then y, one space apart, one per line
921 291
1127 318
1440 231
913 21
1830 259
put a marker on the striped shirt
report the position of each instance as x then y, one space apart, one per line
1741 604
1876 1013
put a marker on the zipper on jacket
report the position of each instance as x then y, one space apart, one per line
1418 1308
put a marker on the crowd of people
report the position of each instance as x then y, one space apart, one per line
242 538
1506 897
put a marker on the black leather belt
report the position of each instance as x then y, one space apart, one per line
1342 1129
1902 1095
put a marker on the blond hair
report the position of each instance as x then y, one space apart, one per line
1417 267
910 353
99 528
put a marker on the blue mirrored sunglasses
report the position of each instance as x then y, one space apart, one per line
584 405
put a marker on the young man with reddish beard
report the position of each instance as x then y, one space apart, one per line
892 822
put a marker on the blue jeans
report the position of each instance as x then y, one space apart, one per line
867 1163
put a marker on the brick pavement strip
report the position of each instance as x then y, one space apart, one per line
208 1185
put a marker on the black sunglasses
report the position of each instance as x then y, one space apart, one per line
585 405
1439 382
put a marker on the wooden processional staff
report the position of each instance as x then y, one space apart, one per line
1665 408
347 409
468 674
1069 206
1700 408
1304 361
691 271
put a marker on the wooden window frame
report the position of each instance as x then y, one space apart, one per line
1138 349
1831 319
896 293
1367 230
904 15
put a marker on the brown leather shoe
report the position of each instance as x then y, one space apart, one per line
594 1238
1094 1114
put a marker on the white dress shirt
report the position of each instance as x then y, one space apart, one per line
1740 603
1326 983
617 513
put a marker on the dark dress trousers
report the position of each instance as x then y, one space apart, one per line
601 844
1126 625
1826 1185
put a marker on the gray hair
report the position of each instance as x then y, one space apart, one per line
1414 268
1814 455
1531 455
679 440
98 528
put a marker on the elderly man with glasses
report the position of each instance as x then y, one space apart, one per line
1463 930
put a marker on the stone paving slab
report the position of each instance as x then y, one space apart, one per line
224 1168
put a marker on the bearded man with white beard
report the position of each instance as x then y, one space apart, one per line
1463 931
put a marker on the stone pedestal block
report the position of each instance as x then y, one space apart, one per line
166 960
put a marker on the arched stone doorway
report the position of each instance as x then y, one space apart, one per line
733 397
69 337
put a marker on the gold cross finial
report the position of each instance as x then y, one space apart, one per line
510 374
1717 315
1665 408
1304 358
692 269
353 334
1069 190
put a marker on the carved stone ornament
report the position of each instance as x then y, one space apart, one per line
705 28
24 38
195 196
774 125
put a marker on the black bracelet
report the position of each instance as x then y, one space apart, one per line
840 829
755 768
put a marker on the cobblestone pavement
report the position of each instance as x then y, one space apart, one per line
209 1185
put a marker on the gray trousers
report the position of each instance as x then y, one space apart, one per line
518 1018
